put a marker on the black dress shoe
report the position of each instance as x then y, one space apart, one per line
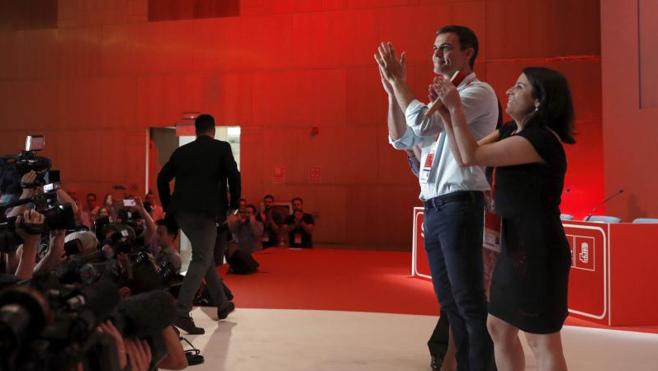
227 292
224 311
187 324
436 362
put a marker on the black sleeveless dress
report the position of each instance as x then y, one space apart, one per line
530 281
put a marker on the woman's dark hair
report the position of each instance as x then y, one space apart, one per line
555 105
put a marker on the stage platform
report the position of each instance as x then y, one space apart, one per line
344 309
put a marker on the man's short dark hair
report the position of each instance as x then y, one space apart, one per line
253 208
204 124
92 194
170 225
467 39
296 199
268 196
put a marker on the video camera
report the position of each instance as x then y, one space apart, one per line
52 326
57 216
13 167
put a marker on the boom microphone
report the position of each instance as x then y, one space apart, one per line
610 197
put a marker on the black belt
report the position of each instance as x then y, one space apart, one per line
459 196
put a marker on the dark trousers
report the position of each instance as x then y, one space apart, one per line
453 240
202 232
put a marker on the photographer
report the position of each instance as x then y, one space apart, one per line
64 198
55 254
272 222
152 207
28 186
136 353
246 230
299 225
164 250
27 227
138 218
89 210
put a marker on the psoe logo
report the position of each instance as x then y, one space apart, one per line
422 230
584 253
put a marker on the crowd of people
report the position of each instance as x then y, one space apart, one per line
128 248
109 268
466 161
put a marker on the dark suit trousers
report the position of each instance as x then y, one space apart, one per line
453 241
202 232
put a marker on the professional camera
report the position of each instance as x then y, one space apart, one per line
168 272
52 326
13 167
9 239
57 216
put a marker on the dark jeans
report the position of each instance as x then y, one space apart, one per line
202 232
453 240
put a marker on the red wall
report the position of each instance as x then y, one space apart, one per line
630 129
96 83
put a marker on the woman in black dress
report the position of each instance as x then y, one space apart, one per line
529 286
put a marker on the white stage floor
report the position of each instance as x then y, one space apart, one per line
304 340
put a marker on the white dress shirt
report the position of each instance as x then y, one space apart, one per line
446 176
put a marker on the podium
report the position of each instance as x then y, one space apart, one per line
614 270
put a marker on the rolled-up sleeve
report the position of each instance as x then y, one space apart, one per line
406 141
419 124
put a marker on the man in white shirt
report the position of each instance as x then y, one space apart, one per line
453 195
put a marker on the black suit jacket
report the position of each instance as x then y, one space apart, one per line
202 169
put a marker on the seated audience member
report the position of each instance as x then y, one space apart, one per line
270 219
300 225
109 205
89 211
247 232
165 248
103 212
77 206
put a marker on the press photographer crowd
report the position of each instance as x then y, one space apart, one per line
98 286
76 297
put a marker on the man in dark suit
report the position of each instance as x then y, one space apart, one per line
202 169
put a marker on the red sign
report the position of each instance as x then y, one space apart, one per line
588 278
279 175
419 265
314 174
